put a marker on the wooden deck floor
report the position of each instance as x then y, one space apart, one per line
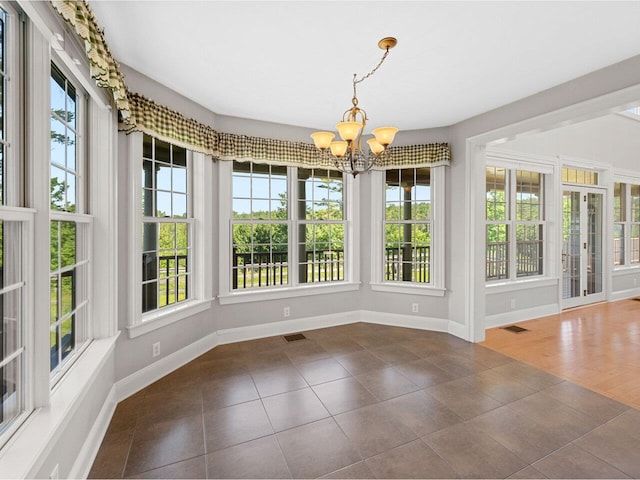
596 346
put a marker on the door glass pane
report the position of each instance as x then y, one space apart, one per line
570 244
594 243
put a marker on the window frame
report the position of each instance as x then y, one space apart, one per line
201 232
314 221
160 221
12 209
24 217
437 249
548 169
294 288
626 222
82 220
511 222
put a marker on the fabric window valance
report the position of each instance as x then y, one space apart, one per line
102 66
266 150
423 155
167 124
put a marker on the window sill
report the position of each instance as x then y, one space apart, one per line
516 285
408 289
627 270
33 441
166 316
286 292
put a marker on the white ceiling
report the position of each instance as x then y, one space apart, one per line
292 62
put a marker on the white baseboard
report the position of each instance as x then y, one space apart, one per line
151 373
458 330
240 334
406 321
623 294
87 455
508 318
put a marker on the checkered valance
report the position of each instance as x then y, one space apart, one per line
167 124
427 155
103 68
267 150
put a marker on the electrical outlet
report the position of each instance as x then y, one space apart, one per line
513 303
415 308
156 349
287 312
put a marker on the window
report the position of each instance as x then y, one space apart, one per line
407 230
70 229
166 225
515 223
260 231
12 343
407 225
626 224
288 228
322 225
16 224
579 176
3 110
170 244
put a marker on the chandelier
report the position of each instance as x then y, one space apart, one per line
347 154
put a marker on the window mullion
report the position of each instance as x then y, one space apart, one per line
628 220
293 227
512 222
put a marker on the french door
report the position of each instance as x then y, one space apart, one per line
582 246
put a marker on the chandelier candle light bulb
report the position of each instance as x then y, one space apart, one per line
347 154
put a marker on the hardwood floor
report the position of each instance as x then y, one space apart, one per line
596 346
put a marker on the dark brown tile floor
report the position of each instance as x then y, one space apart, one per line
367 401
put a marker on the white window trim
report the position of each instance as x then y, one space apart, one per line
628 178
26 217
200 261
84 106
437 285
294 289
551 170
87 240
499 286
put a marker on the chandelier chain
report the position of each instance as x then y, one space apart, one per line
364 77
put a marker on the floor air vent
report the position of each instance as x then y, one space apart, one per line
294 337
515 329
